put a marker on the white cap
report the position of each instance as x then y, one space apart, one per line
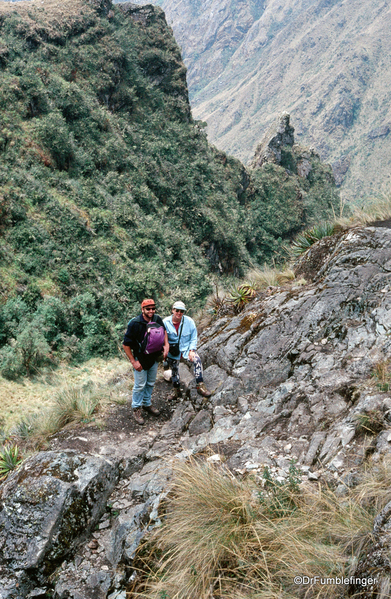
179 306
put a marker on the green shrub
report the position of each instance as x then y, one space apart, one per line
53 132
11 363
28 352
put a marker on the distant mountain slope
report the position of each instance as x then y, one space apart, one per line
327 62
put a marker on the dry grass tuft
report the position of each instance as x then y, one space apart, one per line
378 210
70 394
269 277
72 404
35 395
225 538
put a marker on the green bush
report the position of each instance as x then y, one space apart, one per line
27 352
54 133
11 363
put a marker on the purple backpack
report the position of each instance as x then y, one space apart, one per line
154 338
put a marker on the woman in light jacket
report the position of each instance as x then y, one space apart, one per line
182 337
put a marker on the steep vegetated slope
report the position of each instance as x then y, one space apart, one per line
327 62
109 191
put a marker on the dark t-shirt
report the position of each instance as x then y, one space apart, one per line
134 335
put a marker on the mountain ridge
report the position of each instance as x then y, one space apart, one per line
325 62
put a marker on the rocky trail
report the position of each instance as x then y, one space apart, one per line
293 375
117 426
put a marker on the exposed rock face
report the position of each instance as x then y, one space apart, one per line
269 150
300 354
289 375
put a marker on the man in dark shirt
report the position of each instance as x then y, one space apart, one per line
144 365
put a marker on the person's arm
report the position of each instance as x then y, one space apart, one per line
193 342
135 363
166 347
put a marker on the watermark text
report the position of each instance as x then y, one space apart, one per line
354 580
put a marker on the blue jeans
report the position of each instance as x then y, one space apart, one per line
144 382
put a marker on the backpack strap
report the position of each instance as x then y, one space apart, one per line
180 333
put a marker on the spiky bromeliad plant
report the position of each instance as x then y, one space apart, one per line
240 296
9 460
306 239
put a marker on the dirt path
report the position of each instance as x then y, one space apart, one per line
117 431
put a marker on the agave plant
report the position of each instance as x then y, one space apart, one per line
9 460
306 239
241 295
216 301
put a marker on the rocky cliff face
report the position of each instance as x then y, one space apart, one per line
326 63
290 374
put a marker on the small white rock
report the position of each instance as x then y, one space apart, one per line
214 458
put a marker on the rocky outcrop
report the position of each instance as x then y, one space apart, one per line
59 532
48 507
302 358
279 135
278 147
290 375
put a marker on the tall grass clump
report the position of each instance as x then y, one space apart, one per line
379 209
248 539
270 277
76 404
71 404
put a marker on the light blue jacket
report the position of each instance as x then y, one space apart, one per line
188 340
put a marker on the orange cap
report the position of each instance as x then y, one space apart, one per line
147 302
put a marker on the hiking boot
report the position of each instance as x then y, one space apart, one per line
202 390
138 416
175 393
151 410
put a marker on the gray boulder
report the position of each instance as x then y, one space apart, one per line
49 506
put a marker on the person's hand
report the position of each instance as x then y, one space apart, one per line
137 366
191 355
166 349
